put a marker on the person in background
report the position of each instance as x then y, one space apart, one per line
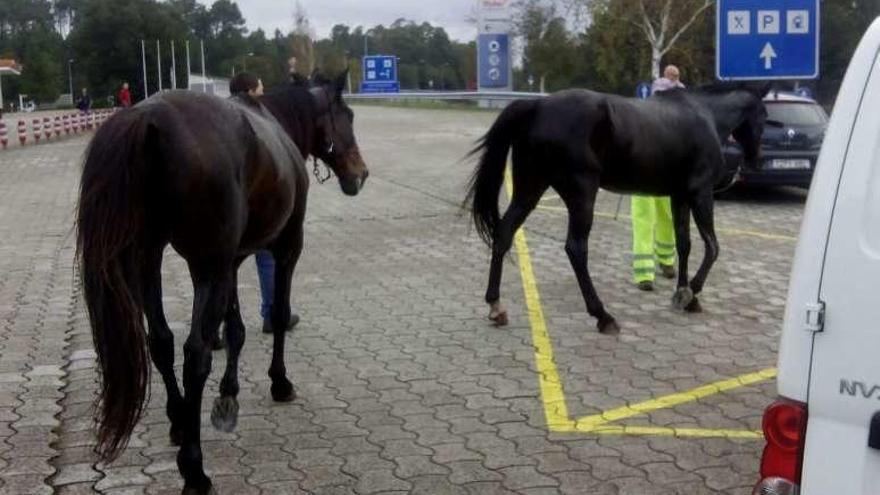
653 232
84 104
123 98
248 88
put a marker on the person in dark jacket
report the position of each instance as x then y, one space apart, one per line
84 104
247 89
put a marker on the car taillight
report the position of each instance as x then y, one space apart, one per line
785 426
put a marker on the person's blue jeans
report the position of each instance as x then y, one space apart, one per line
266 272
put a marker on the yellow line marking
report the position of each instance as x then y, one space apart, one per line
553 396
739 232
590 423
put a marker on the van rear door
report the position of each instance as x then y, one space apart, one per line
844 388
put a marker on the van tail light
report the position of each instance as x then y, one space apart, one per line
785 427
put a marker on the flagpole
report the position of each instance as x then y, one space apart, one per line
188 69
144 65
204 74
173 68
159 61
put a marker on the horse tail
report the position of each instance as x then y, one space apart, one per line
485 184
110 234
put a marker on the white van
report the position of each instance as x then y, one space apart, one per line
823 435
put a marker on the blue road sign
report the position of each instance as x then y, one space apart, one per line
380 74
643 91
494 50
767 39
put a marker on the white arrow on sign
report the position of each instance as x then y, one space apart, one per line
768 54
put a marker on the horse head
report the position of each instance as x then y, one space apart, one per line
748 133
335 141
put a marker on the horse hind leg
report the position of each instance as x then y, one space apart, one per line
161 341
212 286
526 195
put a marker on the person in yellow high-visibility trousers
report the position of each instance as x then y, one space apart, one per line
653 231
653 240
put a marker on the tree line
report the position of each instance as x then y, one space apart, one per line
617 44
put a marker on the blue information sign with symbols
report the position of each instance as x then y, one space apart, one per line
494 50
380 74
767 39
643 91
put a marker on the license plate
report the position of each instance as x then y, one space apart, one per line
790 164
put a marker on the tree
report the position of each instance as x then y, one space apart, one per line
661 22
551 53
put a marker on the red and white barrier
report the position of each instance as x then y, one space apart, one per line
47 128
57 126
4 138
22 132
66 121
36 128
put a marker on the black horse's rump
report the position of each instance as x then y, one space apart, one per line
216 180
577 141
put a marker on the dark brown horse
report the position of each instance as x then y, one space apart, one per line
217 180
578 141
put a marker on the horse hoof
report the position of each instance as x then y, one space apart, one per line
694 306
609 327
189 490
498 314
224 416
682 298
175 436
282 391
499 319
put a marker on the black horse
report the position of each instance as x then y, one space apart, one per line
577 141
217 181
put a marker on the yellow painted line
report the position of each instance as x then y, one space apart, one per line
739 232
553 396
590 423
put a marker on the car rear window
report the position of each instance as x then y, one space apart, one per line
796 113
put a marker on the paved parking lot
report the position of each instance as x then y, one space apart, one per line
403 385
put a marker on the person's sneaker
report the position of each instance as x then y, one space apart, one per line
646 285
668 271
267 324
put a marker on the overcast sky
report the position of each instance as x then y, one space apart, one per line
323 14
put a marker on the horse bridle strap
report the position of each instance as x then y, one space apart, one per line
322 97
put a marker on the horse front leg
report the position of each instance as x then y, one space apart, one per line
580 222
703 207
286 256
681 218
211 293
224 415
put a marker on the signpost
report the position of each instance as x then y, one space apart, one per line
494 68
380 74
767 39
494 50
